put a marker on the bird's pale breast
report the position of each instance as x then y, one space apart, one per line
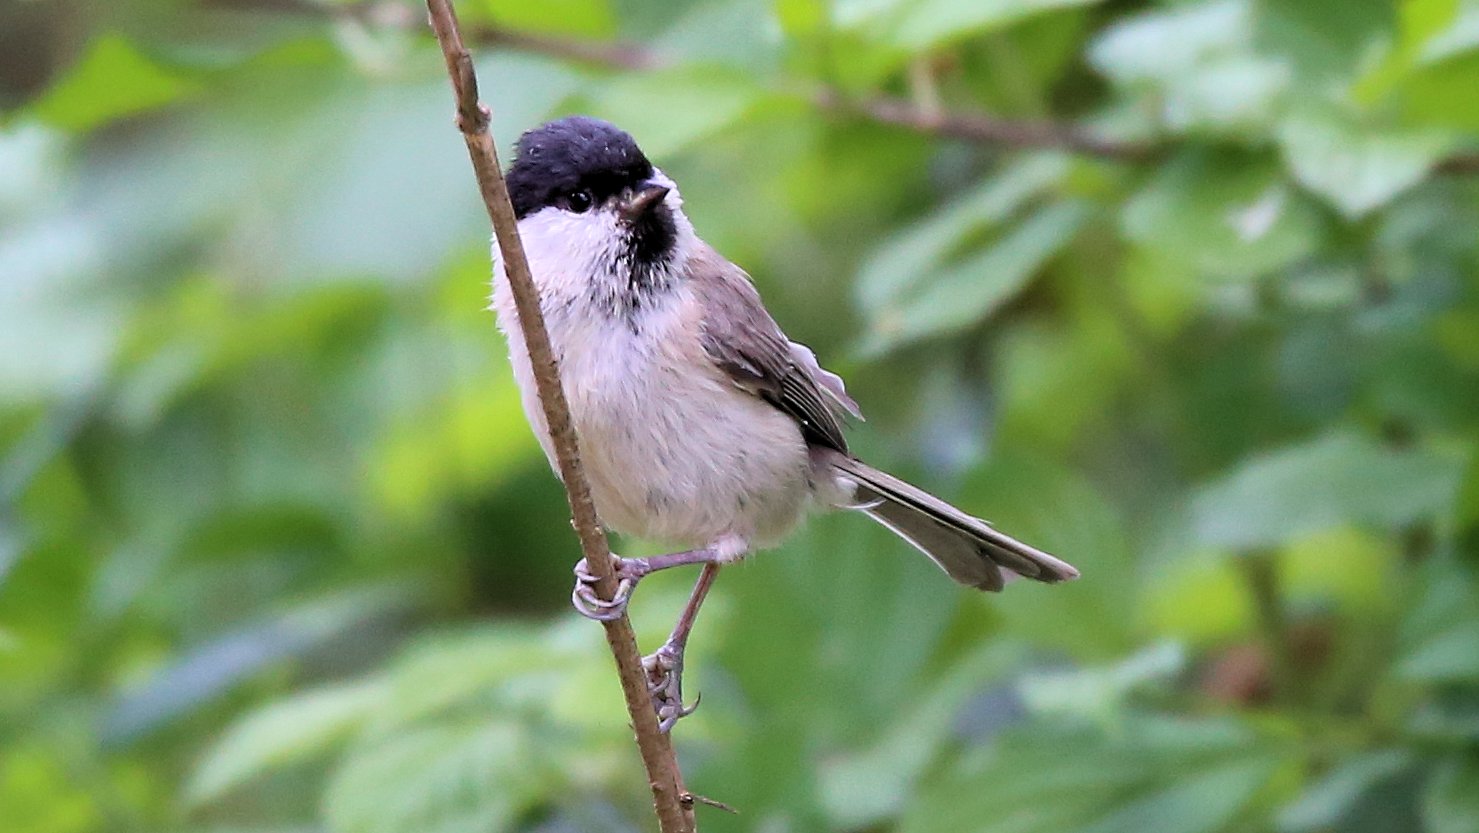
673 450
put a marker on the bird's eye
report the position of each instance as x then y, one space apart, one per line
579 201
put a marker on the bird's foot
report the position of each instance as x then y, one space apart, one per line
588 602
665 683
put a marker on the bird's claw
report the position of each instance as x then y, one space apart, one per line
588 603
665 683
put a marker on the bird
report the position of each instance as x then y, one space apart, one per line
698 421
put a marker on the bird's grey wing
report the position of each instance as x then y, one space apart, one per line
746 343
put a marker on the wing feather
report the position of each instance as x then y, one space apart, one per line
745 342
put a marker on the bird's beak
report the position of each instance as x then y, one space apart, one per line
644 200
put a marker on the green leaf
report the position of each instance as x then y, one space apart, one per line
1422 19
1357 170
1325 803
1325 39
962 294
1451 801
1199 804
898 265
922 25
1064 515
1224 216
1452 654
207 671
441 779
284 732
737 33
1445 30
1100 692
1158 45
584 18
112 80
695 104
1449 717
871 785
1195 65
1336 480
40 795
1149 773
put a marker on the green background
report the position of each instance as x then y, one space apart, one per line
278 552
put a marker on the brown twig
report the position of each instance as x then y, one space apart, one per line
1459 163
674 814
983 129
899 112
975 127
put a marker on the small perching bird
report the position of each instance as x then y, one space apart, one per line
699 422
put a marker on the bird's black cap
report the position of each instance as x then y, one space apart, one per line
573 154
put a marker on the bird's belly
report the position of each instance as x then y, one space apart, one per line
676 453
688 463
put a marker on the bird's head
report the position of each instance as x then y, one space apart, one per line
582 188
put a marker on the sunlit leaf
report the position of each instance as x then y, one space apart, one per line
1357 170
40 796
586 18
1197 65
112 80
695 105
925 24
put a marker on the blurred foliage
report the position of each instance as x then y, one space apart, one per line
277 552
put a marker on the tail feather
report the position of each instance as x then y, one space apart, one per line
967 548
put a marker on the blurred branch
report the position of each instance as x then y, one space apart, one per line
975 127
673 804
1459 163
891 110
983 129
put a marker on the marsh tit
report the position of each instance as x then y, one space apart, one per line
699 422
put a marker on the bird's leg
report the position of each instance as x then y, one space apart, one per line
665 665
629 571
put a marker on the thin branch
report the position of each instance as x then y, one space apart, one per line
975 127
971 127
1459 163
670 799
983 129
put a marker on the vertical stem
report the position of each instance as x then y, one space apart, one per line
1262 574
671 801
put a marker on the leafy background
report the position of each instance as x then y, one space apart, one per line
1197 309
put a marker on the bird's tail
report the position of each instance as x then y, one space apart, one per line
965 547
